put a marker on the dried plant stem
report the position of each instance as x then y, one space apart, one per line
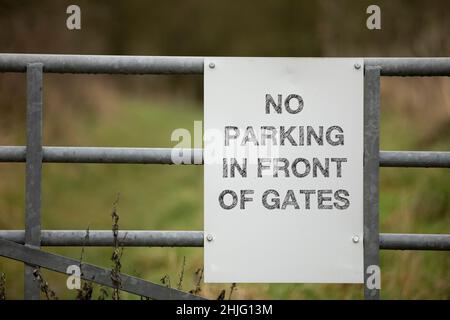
221 295
199 275
232 288
2 286
180 281
49 293
85 293
117 253
166 281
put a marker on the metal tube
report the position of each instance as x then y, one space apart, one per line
60 63
425 159
104 238
106 155
33 173
371 175
134 238
164 156
420 67
398 241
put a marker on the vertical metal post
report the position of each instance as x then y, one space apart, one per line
371 176
33 173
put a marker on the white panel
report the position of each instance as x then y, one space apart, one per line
257 244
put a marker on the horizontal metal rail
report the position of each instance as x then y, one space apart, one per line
400 241
104 238
425 159
417 67
132 238
102 155
164 156
104 64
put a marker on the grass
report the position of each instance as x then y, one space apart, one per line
163 197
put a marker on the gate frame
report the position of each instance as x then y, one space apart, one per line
34 154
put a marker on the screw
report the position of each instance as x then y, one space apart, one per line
212 65
355 239
357 66
209 237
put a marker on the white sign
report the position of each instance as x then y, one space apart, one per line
283 170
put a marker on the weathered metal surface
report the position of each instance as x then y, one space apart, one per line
34 155
138 238
90 272
426 159
59 63
104 238
401 241
371 174
33 172
418 67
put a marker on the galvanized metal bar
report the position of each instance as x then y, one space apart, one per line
418 67
426 159
107 155
90 272
33 172
423 159
103 64
399 241
139 238
371 174
59 63
104 238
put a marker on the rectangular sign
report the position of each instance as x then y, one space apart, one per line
283 170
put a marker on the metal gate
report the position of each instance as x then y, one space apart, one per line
24 245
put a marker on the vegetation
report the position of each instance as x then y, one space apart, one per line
163 197
127 111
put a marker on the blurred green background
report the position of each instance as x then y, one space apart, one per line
142 111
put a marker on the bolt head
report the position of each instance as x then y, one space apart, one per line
209 237
355 239
212 65
357 66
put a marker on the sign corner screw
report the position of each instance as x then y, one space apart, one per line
357 66
209 237
355 239
212 65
